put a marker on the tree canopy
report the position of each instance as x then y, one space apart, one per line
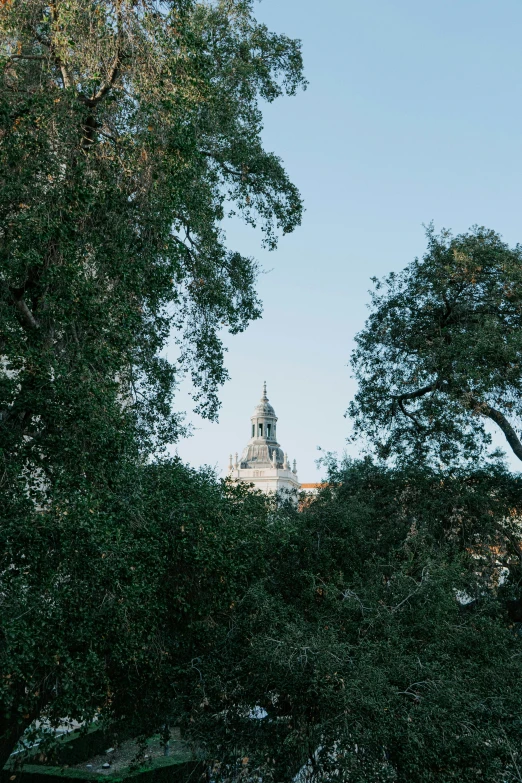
129 131
109 598
441 353
380 643
376 631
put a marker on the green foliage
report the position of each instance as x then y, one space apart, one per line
442 352
355 643
110 599
128 132
148 594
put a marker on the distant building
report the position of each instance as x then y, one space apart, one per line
263 462
312 489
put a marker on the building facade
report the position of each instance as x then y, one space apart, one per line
263 463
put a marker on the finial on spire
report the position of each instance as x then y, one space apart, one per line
295 467
237 461
285 463
230 465
264 391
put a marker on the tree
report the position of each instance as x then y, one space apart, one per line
378 643
128 132
110 599
441 353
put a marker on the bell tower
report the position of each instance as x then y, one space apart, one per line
263 462
263 422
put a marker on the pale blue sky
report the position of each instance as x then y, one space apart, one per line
413 114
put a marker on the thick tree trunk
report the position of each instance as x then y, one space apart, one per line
501 421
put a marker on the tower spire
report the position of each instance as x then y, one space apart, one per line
264 397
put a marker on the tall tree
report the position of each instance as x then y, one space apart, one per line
441 354
128 130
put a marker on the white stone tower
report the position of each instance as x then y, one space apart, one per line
263 462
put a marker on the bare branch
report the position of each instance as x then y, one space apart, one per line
476 405
28 57
227 169
114 70
111 78
414 592
26 316
398 400
501 421
417 393
410 415
66 76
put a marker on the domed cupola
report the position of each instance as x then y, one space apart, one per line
263 408
263 448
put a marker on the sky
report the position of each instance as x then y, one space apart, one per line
413 114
